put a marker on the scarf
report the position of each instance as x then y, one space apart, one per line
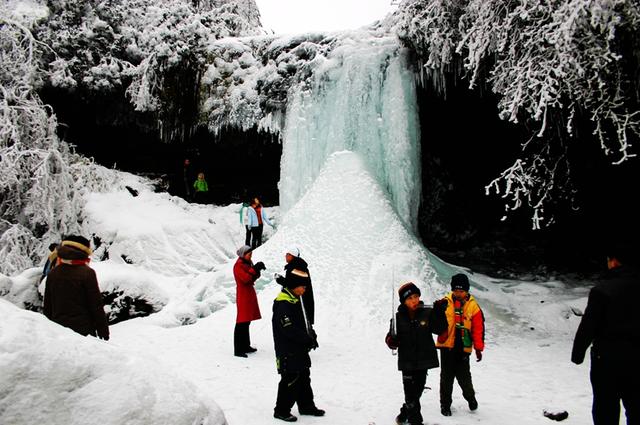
458 314
81 262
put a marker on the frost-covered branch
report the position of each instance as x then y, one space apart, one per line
567 59
41 181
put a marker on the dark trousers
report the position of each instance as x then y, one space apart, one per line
294 387
612 383
413 384
201 197
454 364
247 236
256 233
241 341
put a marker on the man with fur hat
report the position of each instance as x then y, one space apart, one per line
465 333
245 273
293 338
412 336
72 297
295 261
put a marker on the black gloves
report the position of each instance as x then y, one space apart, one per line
280 279
440 304
314 339
259 266
391 342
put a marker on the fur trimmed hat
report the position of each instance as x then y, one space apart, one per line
297 278
407 290
460 281
79 243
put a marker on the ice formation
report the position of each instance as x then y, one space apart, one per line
362 98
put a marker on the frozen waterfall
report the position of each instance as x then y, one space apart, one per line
362 98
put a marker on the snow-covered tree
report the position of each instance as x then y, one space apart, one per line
153 50
41 180
150 48
554 65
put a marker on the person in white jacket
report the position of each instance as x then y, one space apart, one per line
257 218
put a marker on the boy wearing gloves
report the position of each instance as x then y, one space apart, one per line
414 325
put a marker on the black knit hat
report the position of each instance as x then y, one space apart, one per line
407 290
460 281
297 278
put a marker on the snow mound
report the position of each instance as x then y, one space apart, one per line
52 375
163 233
355 243
22 289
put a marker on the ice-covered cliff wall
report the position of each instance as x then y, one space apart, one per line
323 93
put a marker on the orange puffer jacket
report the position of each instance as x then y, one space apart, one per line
473 321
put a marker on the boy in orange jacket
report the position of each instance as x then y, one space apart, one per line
464 334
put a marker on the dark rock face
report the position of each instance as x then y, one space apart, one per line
464 146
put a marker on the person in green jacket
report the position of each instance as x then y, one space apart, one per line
201 189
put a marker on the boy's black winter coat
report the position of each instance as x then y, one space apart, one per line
290 337
416 349
307 298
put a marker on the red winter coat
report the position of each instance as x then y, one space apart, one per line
246 298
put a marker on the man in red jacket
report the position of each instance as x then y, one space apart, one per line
72 297
246 274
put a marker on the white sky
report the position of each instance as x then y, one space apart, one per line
153 370
300 16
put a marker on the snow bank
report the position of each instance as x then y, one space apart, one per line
50 374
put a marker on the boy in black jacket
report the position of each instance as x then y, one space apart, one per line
293 338
414 324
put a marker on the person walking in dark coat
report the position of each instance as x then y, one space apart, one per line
610 326
245 274
187 178
465 333
294 261
293 338
412 337
72 297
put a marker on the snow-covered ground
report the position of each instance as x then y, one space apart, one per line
155 371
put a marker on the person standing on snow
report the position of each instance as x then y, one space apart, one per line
465 332
51 260
610 324
293 338
412 337
257 218
294 261
72 297
201 190
245 274
244 220
187 178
